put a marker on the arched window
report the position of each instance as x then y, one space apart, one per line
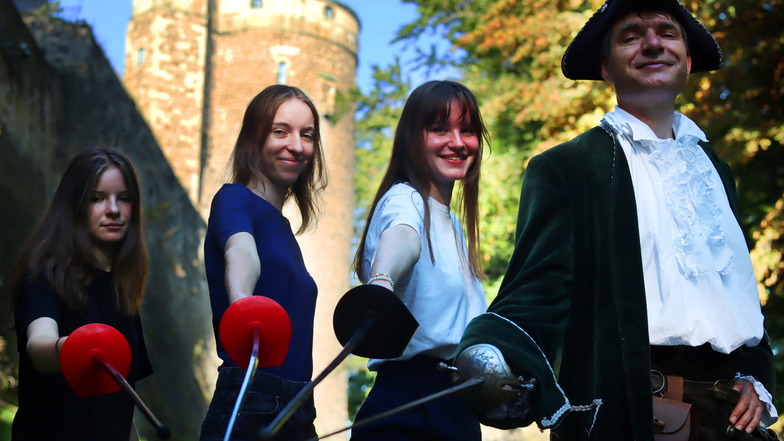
140 57
283 72
330 93
329 13
255 4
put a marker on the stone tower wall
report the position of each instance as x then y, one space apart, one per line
164 72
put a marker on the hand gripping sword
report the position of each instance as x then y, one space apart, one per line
369 321
253 322
95 359
485 382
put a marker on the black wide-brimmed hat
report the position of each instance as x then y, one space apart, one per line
582 59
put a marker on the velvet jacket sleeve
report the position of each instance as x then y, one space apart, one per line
534 292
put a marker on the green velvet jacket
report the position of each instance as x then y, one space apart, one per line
571 310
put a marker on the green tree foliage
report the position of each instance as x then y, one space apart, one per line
48 9
377 115
360 380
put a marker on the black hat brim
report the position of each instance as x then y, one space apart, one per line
582 59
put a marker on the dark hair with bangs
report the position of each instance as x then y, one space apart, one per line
63 248
256 126
428 104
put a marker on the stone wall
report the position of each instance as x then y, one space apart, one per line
58 95
164 71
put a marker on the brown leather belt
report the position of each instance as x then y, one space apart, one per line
669 385
675 388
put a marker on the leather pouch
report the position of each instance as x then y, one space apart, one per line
671 420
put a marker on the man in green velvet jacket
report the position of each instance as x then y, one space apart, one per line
628 244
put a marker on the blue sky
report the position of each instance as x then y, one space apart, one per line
380 21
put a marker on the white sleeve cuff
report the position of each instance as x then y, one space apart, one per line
770 415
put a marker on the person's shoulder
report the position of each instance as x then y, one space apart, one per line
403 191
231 195
586 139
400 199
587 142
578 155
35 289
232 191
706 146
36 277
400 188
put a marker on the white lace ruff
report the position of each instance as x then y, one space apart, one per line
690 195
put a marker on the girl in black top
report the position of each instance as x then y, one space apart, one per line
86 263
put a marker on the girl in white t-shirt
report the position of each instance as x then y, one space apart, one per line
414 245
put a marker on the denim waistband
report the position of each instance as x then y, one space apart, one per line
231 378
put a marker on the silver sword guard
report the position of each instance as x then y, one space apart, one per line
503 395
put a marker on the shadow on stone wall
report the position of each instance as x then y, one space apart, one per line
59 95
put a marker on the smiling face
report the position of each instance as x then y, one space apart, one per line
109 209
647 53
451 146
289 147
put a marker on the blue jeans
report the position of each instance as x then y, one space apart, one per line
401 382
265 397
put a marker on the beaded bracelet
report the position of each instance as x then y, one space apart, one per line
382 276
57 348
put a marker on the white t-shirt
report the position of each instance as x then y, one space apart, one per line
443 296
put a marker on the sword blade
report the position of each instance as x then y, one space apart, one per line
465 385
268 433
161 430
249 374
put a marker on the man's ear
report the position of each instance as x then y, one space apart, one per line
606 73
688 64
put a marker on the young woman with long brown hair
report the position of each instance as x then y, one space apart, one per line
415 245
250 249
86 263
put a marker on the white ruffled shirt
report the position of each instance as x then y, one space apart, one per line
693 251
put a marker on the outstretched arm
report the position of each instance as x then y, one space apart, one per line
397 253
43 345
243 266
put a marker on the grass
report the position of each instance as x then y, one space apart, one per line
6 417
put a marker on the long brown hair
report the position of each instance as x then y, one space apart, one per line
428 104
63 248
256 126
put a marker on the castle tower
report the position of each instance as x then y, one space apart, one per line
165 73
192 67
